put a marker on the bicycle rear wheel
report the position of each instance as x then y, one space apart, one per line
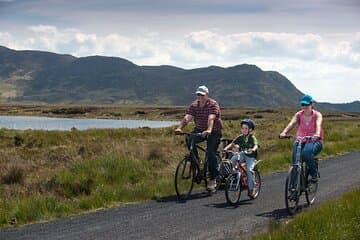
184 178
311 189
292 191
233 189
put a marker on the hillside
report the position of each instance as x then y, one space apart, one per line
43 77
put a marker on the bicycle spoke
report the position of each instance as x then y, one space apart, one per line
233 190
184 179
311 190
257 183
291 194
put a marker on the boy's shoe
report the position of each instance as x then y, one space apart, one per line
252 194
314 179
211 186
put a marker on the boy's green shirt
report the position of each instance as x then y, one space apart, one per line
246 142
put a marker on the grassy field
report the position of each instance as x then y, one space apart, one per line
49 174
333 220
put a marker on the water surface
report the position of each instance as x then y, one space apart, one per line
46 123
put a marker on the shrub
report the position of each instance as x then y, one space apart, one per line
14 175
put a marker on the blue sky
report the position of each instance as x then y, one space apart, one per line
315 44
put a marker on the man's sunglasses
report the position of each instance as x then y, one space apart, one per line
305 105
199 94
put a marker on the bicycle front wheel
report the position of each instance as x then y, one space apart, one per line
233 189
292 191
311 189
184 178
257 183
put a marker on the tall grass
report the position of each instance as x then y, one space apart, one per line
47 174
337 219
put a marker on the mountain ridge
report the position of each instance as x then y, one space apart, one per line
45 77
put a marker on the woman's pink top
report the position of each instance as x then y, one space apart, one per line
307 128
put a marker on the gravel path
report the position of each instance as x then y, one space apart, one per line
202 217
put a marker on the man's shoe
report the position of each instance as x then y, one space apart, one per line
314 179
211 186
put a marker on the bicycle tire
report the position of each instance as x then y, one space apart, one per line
184 178
291 196
311 189
233 189
257 184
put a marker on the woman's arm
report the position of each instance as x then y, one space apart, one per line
319 120
290 126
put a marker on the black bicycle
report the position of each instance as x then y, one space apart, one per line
193 169
298 180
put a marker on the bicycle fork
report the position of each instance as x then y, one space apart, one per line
237 179
296 171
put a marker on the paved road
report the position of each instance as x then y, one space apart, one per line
202 217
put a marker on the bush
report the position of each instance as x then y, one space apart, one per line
14 175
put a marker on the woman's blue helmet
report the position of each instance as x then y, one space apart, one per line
248 122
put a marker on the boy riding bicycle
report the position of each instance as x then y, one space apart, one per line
245 147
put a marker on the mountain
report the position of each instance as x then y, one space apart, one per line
35 76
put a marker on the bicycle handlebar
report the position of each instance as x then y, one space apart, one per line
234 152
189 134
297 138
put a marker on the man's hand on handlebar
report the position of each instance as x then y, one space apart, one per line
206 133
178 131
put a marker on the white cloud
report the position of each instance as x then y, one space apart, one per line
316 64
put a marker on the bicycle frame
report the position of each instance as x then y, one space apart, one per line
195 159
189 170
237 182
297 180
300 163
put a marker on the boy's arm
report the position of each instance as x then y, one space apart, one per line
256 144
255 148
228 146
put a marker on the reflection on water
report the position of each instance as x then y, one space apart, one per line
45 123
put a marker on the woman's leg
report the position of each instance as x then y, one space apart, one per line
310 150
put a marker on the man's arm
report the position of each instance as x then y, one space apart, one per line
211 120
187 118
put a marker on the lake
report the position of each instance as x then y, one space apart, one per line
46 123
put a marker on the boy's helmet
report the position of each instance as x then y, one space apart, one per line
248 122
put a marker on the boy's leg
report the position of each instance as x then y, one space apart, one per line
250 163
234 159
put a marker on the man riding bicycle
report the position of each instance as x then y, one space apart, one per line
207 117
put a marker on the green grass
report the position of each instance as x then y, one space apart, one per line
49 174
336 219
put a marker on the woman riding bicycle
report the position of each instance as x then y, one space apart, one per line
309 123
246 146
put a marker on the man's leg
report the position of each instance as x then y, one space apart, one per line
213 141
